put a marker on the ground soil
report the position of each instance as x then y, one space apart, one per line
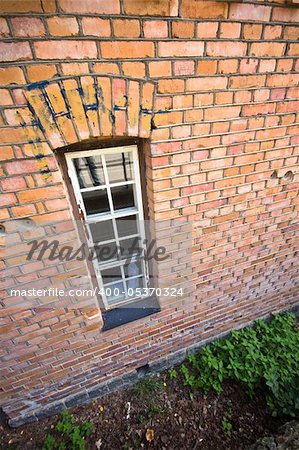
163 405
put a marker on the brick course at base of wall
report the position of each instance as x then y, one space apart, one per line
33 413
217 115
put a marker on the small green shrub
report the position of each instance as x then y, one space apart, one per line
70 435
265 355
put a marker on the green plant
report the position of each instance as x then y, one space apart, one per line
70 435
172 373
265 355
226 426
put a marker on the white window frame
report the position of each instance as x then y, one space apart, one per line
88 219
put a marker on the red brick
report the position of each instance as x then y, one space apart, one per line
159 68
182 101
241 82
11 184
38 72
206 83
267 49
22 167
252 31
94 26
222 113
23 211
123 49
40 194
203 10
272 32
282 80
228 66
285 15
250 12
15 51
226 48
293 50
90 6
146 8
207 29
9 75
27 26
171 85
249 65
7 199
65 49
291 33
207 67
155 29
251 110
184 67
63 26
6 153
106 68
4 30
126 28
185 48
183 29
230 30
134 69
267 65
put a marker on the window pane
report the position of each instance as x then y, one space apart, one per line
96 201
120 167
102 231
129 247
123 196
133 268
106 252
134 283
126 226
115 293
89 171
111 274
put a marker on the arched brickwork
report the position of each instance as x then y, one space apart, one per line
68 110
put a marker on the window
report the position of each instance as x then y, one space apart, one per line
106 184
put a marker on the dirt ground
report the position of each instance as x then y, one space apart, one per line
159 413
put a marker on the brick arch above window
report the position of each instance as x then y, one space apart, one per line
72 109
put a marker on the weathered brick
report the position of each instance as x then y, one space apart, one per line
11 75
241 82
41 72
203 10
126 28
267 49
90 6
15 51
63 26
252 31
145 8
65 49
285 14
155 29
123 50
226 49
206 83
230 30
207 29
94 26
28 26
208 67
159 69
134 69
182 29
251 12
186 48
184 67
4 30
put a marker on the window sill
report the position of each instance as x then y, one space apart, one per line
129 313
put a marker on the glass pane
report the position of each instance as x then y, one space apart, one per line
89 171
123 196
134 283
132 269
102 231
106 252
129 247
120 167
126 226
115 292
96 201
111 274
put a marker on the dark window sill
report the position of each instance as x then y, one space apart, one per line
128 313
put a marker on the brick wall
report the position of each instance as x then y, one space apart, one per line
223 157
